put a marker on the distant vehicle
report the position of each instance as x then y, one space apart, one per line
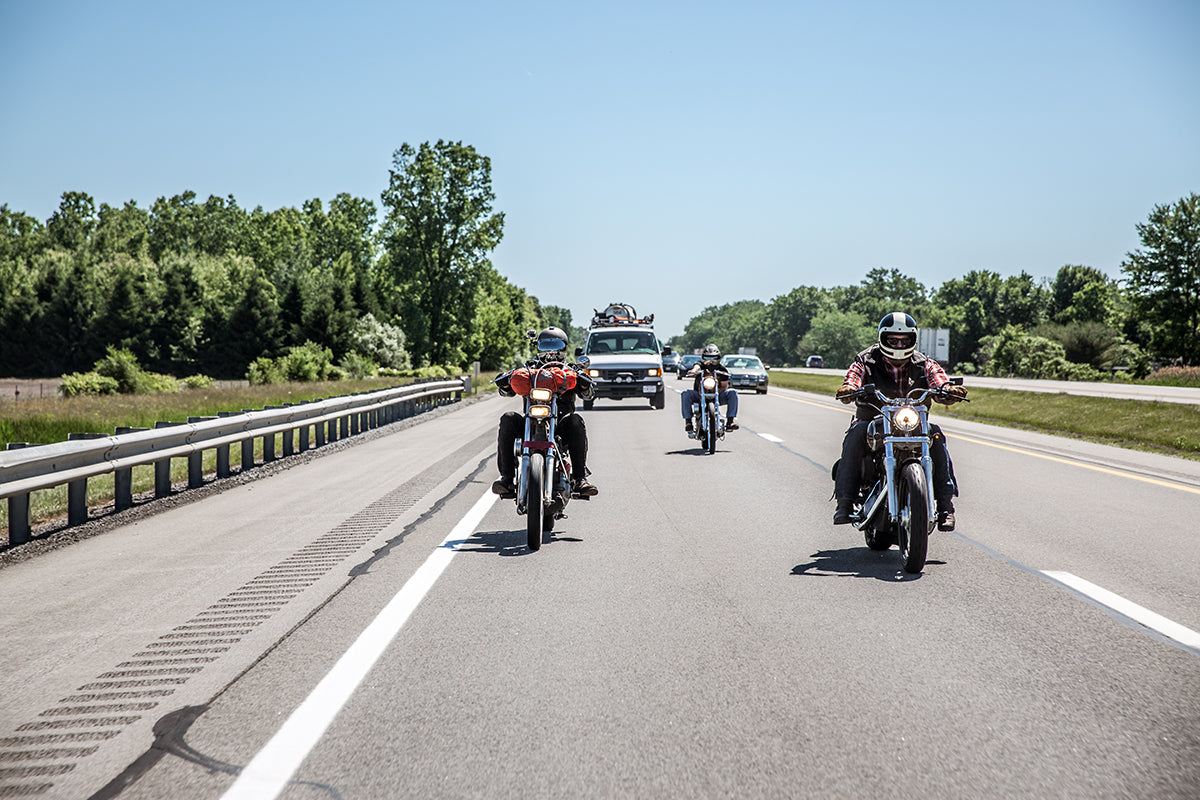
623 356
685 364
670 361
815 362
746 372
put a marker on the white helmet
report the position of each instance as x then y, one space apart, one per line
897 335
711 353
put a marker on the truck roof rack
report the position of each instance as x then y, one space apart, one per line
620 314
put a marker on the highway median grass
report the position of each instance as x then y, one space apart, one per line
1170 428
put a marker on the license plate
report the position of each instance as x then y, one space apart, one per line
649 389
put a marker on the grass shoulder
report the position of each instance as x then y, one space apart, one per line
1168 428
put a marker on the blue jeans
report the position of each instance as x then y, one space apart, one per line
727 398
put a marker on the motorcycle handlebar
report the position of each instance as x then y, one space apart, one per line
942 394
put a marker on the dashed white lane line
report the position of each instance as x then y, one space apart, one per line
771 438
1143 616
269 772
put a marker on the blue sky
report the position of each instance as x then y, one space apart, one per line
673 155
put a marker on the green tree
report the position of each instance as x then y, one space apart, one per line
838 336
733 325
1164 278
886 290
438 232
70 227
123 230
787 319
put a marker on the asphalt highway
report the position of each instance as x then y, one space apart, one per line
370 624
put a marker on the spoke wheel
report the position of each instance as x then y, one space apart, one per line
533 501
912 533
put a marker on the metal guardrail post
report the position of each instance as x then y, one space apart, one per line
162 469
77 505
289 437
223 452
196 461
123 478
269 440
247 448
19 526
320 429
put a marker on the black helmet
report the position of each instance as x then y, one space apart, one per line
897 335
711 353
552 341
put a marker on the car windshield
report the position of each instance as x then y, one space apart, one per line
743 362
689 360
642 342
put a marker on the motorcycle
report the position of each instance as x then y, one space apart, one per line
707 423
543 472
896 504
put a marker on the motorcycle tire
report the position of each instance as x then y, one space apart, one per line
912 534
534 517
710 432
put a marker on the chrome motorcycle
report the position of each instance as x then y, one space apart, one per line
707 423
543 471
895 503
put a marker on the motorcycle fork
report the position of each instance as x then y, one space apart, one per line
523 499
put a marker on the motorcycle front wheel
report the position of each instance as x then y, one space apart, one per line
710 434
534 505
912 534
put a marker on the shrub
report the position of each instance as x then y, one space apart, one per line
383 344
122 366
87 383
197 382
1175 376
1015 353
307 362
264 370
357 366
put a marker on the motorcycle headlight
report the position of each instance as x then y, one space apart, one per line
541 395
710 383
906 419
593 373
539 411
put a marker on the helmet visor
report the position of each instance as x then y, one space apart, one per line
551 344
899 341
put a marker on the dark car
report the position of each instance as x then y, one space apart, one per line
670 362
815 362
685 364
746 372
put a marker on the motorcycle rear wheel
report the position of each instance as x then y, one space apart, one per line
534 518
912 534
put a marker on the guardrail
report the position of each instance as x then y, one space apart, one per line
27 468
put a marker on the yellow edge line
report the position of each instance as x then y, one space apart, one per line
1056 459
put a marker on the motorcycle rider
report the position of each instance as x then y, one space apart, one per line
895 366
710 361
551 346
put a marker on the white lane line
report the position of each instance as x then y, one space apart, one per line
1141 615
269 772
771 438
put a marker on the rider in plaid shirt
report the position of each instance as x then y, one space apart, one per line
895 367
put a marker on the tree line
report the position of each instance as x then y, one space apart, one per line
207 287
1079 324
